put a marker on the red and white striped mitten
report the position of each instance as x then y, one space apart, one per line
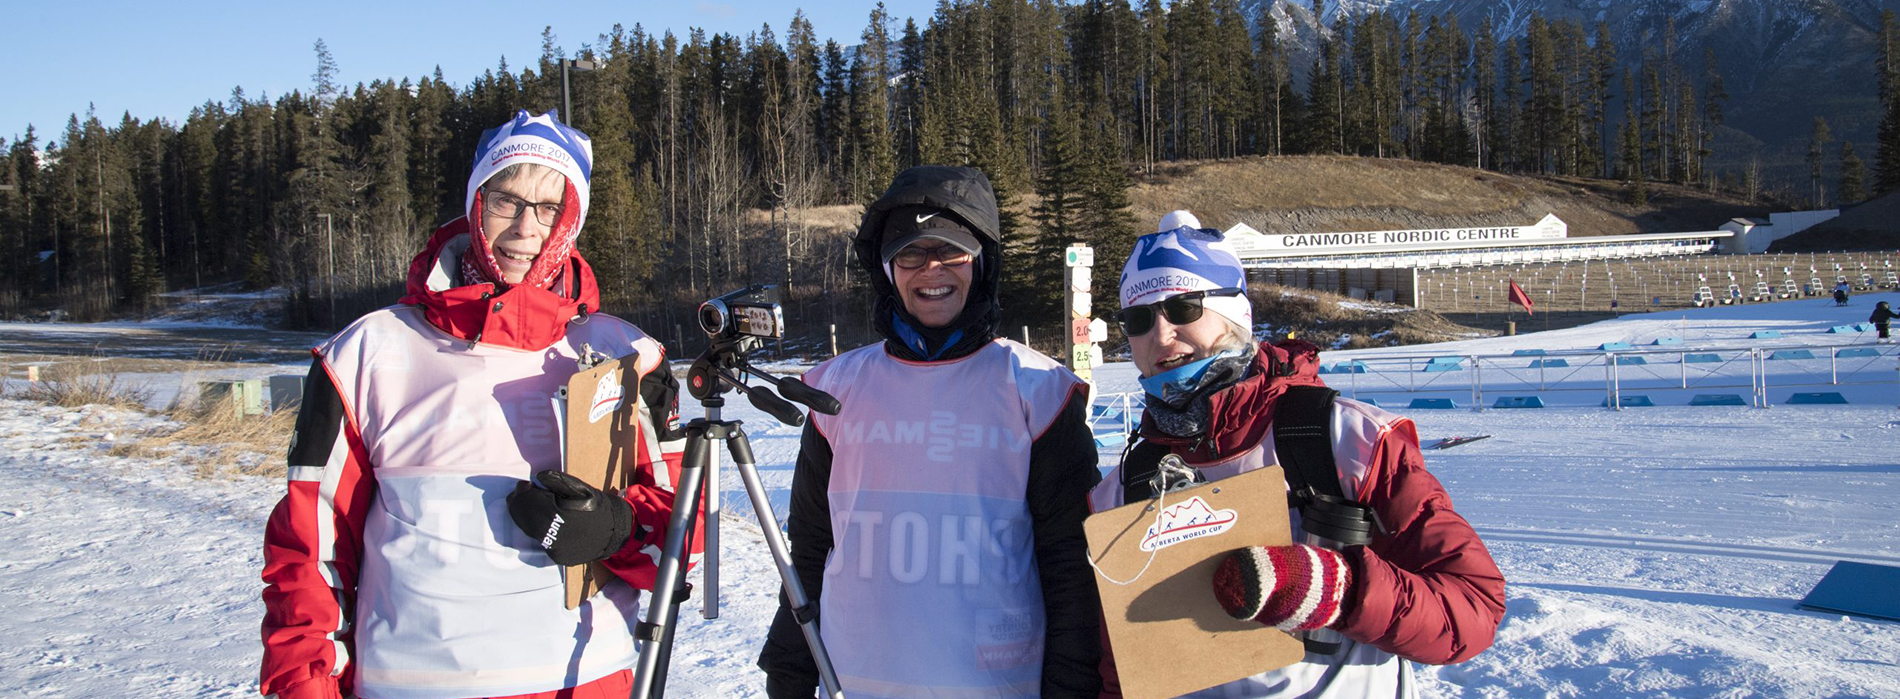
1291 588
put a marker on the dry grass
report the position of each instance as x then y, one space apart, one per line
1338 322
838 219
213 438
76 384
1313 194
219 441
1225 188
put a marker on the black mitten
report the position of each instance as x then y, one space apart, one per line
576 522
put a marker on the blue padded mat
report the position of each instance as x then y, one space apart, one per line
1861 589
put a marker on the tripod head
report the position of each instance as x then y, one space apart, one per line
737 324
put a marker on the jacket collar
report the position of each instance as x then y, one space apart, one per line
519 317
1239 415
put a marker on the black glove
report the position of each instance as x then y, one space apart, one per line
576 522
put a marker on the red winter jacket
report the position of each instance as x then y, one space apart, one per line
1427 590
315 548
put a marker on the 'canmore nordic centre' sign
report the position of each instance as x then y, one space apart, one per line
1252 243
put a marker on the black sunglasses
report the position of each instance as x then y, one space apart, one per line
1181 310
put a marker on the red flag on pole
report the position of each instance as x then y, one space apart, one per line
1520 298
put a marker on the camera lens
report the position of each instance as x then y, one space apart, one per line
712 317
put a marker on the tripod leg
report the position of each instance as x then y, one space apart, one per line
669 584
803 608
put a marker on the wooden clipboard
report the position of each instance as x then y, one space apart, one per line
599 413
1169 635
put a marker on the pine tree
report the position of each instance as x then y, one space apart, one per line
1887 74
1111 229
1604 59
1853 175
432 191
1510 139
1655 127
621 219
1037 268
1818 139
1270 69
1484 75
1152 85
15 271
32 276
873 158
1544 114
834 122
1631 156
394 236
909 106
1325 117
142 280
1887 170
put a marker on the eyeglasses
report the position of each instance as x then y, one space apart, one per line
913 257
1180 310
507 205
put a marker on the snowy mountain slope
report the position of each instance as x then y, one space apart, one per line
1783 62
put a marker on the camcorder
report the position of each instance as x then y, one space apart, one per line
750 312
738 323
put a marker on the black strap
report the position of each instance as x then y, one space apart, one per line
1139 464
1302 441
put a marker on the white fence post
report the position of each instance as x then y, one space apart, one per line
1477 383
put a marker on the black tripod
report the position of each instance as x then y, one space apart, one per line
716 371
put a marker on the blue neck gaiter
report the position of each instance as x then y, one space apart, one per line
916 340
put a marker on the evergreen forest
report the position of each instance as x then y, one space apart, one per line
719 159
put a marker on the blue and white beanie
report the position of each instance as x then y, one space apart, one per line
1182 260
538 140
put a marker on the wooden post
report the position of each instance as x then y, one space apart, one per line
834 339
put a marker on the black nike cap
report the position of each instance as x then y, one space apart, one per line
910 224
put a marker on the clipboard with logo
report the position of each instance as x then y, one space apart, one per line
1169 635
599 412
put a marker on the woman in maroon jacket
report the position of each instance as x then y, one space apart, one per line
1423 590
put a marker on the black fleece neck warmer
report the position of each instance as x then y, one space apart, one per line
970 331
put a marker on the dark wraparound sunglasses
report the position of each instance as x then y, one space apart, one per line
1180 310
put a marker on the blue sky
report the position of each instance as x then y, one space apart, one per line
158 59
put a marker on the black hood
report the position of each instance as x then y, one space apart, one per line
966 194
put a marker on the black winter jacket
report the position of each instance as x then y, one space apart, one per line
1062 462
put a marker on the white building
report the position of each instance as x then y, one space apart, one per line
1754 235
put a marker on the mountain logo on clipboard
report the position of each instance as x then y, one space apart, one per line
1189 520
607 395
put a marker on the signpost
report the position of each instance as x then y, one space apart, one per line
1083 354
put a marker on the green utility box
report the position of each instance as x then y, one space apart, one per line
244 396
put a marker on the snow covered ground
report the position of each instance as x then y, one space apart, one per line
1650 552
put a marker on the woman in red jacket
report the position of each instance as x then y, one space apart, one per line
1423 590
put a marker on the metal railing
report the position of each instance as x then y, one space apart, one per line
1614 373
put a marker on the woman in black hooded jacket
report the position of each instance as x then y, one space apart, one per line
937 519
